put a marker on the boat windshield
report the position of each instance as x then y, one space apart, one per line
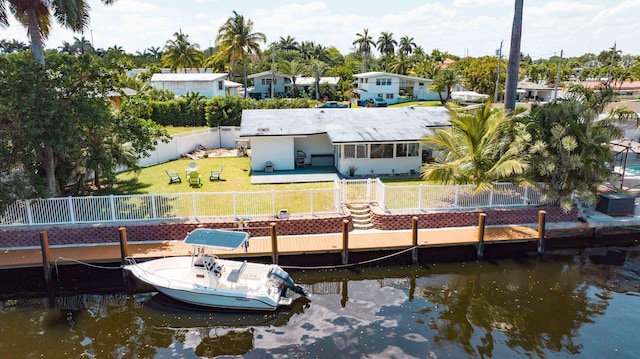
216 238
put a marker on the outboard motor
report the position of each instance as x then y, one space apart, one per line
286 279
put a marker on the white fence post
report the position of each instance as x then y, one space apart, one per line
368 195
526 196
193 202
344 190
273 202
29 212
420 197
154 211
311 200
491 197
113 207
455 200
235 210
72 214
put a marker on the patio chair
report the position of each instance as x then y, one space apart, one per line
174 177
215 174
194 179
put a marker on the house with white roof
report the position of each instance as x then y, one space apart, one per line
262 84
392 88
373 141
208 84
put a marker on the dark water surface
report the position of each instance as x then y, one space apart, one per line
565 304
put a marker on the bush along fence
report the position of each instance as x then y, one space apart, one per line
240 205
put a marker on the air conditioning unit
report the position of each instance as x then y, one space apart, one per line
616 204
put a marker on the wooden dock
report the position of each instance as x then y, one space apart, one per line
358 241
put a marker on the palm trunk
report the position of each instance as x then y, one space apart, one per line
514 58
37 45
244 73
49 164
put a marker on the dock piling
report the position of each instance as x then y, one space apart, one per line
541 231
274 243
46 263
481 225
124 247
414 239
345 241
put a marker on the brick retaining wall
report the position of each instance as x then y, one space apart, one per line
462 218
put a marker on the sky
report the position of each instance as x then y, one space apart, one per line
459 27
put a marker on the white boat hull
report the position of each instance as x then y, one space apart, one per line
226 284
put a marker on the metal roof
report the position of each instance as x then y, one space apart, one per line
346 125
187 77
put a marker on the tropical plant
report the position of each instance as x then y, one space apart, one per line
406 45
294 69
425 67
181 54
36 16
569 148
444 81
236 41
288 43
386 46
318 68
400 64
477 149
364 43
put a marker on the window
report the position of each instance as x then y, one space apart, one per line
356 151
388 82
263 81
220 85
378 81
380 95
389 96
407 149
382 150
383 82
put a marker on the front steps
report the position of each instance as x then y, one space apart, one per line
360 215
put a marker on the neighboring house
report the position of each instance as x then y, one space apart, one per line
371 141
208 84
534 92
116 96
392 88
626 89
262 84
308 84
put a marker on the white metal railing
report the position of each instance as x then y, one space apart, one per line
122 208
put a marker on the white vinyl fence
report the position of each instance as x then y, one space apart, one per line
181 143
123 208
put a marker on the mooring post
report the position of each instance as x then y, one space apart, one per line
414 240
46 265
274 243
345 241
481 221
541 230
124 247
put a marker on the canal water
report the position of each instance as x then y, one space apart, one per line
566 304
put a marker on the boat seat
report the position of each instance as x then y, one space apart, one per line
235 274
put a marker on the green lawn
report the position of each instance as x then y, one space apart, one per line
417 104
172 130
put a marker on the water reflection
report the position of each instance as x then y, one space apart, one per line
558 306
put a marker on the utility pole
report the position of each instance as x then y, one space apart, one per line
613 57
499 53
555 97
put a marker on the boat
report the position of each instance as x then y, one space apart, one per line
203 279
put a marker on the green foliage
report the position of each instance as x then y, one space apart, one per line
569 147
224 111
480 73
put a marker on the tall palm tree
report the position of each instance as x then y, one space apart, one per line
294 69
364 43
400 64
425 66
386 46
155 52
37 16
236 41
82 45
477 149
406 45
444 81
288 43
317 69
306 49
513 68
181 54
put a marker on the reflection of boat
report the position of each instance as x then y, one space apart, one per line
206 280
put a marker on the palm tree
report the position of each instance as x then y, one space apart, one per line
116 48
406 45
82 45
386 46
236 41
476 150
181 54
513 68
425 67
155 52
306 49
400 64
317 69
294 69
288 43
444 81
37 16
364 43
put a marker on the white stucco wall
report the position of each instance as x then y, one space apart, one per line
208 89
372 90
380 166
313 145
258 87
278 150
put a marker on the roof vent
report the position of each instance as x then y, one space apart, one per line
263 129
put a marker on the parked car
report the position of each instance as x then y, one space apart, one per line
376 102
332 104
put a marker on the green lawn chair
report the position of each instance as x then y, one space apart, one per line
174 177
215 174
194 179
